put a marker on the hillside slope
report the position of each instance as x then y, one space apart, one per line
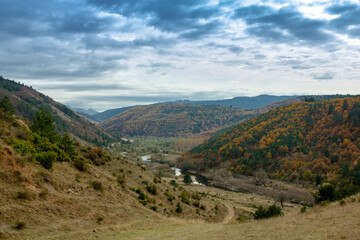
332 222
28 101
52 185
307 141
173 120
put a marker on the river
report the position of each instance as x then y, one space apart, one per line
177 171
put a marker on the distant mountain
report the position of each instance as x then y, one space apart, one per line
91 118
307 141
89 111
110 113
248 103
173 120
28 101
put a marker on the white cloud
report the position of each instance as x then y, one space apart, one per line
204 49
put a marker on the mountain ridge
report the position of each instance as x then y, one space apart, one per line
27 101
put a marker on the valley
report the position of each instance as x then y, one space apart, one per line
298 159
179 119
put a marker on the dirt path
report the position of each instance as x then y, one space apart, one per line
230 215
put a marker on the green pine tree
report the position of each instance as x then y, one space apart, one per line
6 106
43 124
187 179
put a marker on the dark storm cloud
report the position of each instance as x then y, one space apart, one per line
177 16
348 21
283 25
50 18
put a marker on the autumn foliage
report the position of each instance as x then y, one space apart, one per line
307 141
173 120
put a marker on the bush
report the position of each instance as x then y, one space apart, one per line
240 219
121 180
97 186
324 203
272 211
179 208
154 208
196 203
184 198
142 196
19 225
187 179
22 146
80 164
157 180
62 156
326 193
46 159
329 193
108 158
174 183
170 197
23 195
152 189
303 209
99 219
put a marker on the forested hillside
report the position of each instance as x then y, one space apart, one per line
28 101
173 120
308 141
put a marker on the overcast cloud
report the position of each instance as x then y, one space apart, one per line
114 53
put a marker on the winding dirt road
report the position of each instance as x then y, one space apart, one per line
230 215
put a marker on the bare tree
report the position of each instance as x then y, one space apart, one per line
260 177
281 198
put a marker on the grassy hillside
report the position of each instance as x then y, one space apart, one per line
306 141
173 120
50 185
336 221
28 101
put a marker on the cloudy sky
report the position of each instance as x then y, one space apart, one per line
113 53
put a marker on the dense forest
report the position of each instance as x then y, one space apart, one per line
309 141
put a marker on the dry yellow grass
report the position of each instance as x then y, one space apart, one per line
331 222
